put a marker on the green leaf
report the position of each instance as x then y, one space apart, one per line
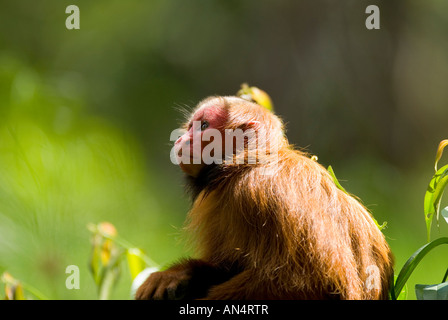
95 264
432 292
336 181
433 197
15 289
256 95
136 262
442 146
110 274
414 260
403 294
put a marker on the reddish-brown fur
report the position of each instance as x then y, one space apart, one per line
277 229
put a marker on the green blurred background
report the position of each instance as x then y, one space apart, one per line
86 116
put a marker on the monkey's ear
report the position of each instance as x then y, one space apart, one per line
254 124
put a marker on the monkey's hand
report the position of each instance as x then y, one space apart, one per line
190 279
165 285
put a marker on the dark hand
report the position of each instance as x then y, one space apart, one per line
164 285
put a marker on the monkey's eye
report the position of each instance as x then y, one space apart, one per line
204 125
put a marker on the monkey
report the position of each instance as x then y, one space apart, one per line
277 228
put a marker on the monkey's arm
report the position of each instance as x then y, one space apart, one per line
189 279
247 286
240 287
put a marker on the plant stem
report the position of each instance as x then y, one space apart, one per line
413 261
127 245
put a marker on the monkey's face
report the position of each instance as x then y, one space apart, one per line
203 130
225 129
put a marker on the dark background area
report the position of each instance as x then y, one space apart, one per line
86 115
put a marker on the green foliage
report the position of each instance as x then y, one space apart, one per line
336 181
433 197
412 263
435 191
18 290
403 295
439 152
256 95
108 252
432 200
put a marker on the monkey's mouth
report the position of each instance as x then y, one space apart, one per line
181 157
187 160
190 154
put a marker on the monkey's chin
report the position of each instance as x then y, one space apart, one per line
191 169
